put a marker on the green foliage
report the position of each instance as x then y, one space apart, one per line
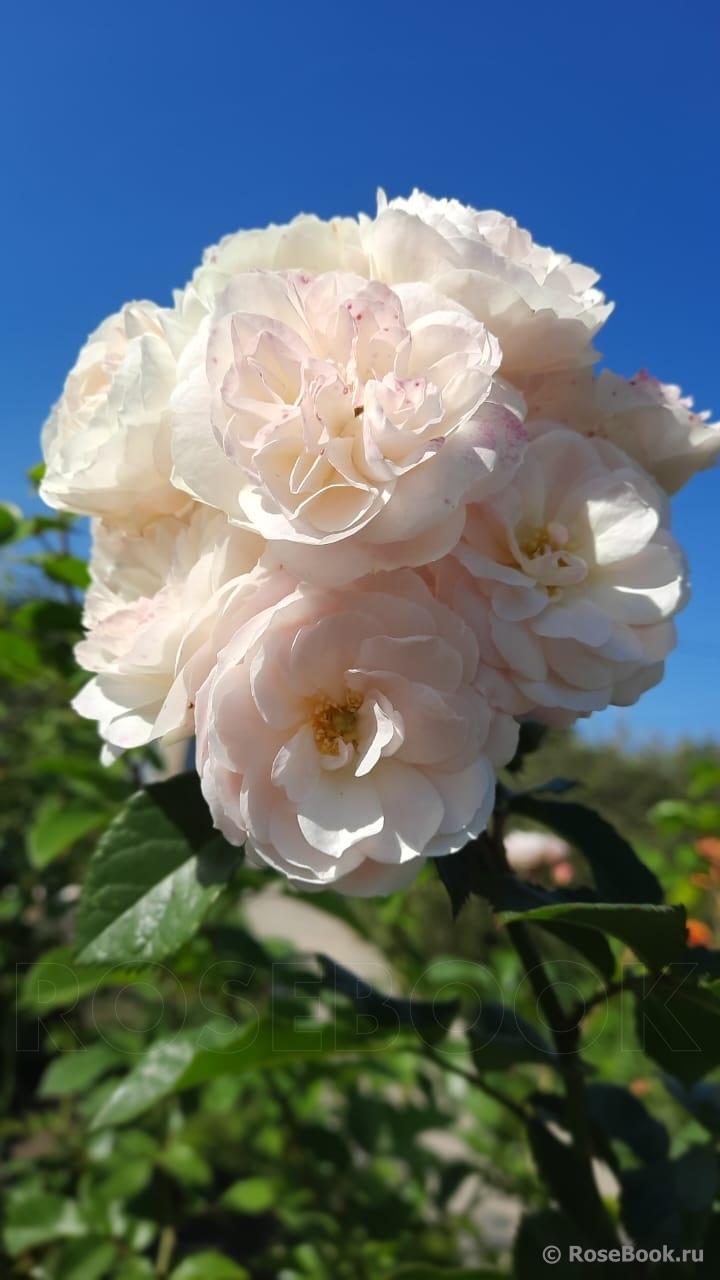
184 1098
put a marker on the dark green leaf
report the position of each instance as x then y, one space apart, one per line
701 1100
587 942
530 737
150 881
649 1207
553 787
500 1037
655 934
696 1178
459 873
619 874
430 1019
620 1115
679 1025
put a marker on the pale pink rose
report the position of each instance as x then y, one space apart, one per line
569 580
527 851
327 410
340 734
107 442
542 307
307 243
149 609
652 421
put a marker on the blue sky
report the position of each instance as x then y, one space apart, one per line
133 135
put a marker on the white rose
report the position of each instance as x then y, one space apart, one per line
149 609
652 421
569 580
541 305
326 410
340 734
107 441
307 243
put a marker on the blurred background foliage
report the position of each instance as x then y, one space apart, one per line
285 1163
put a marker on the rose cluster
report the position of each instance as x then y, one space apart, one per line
360 501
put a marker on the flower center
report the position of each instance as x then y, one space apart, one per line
333 721
547 539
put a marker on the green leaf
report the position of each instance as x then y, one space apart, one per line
135 1269
588 942
68 570
655 934
57 981
34 1217
430 1019
701 1100
500 1037
10 516
459 872
86 1260
74 1072
58 826
19 658
620 1115
196 1056
154 875
619 874
679 1026
155 1076
126 1180
185 1163
649 1206
209 1265
250 1195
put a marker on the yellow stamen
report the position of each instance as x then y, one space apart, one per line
333 721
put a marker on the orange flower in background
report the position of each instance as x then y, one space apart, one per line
709 847
698 934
